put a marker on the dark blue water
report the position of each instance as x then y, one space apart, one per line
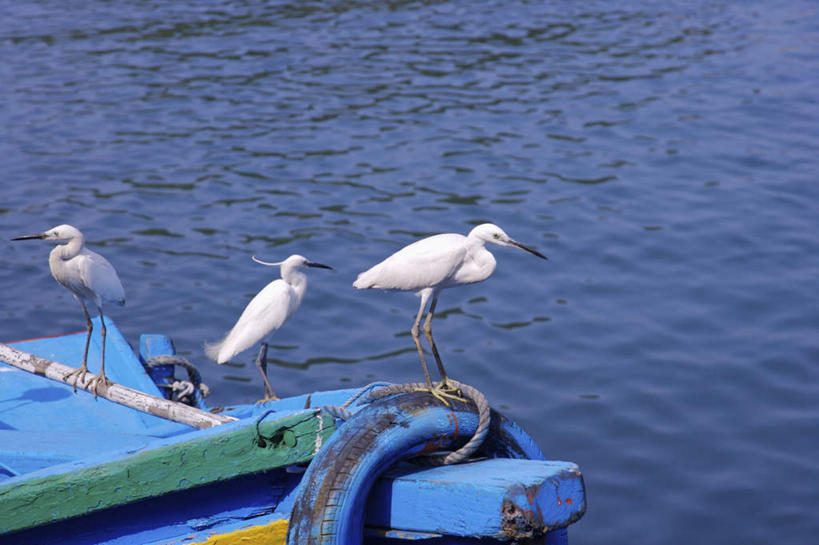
664 155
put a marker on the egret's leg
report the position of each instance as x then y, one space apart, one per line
79 374
443 389
89 327
261 365
101 376
415 337
428 335
437 391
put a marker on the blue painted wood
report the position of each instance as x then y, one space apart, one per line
477 498
99 454
557 537
43 422
151 345
26 451
390 537
182 517
47 429
122 365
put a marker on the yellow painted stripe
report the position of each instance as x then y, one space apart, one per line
274 533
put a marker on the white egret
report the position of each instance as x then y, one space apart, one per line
432 264
265 313
90 278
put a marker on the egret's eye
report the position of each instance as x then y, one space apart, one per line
496 236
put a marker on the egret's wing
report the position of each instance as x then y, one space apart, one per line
100 277
424 263
265 313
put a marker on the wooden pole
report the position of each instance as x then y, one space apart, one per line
157 406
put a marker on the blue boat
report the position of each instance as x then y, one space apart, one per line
75 469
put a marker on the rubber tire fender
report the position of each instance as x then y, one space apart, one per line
329 505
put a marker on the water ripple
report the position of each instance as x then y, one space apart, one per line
661 154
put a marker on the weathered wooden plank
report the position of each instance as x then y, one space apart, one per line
117 393
180 463
122 365
501 498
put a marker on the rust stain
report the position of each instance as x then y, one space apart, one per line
441 442
556 483
454 419
518 523
430 447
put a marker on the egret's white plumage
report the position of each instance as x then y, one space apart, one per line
88 276
265 313
435 263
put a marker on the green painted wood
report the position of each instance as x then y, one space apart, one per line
211 455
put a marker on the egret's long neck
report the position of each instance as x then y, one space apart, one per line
483 261
295 278
69 250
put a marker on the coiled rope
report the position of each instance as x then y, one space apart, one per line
377 391
183 390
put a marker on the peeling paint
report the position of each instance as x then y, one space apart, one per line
320 428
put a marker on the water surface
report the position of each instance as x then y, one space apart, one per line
662 154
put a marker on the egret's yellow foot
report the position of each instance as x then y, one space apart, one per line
95 384
78 374
442 392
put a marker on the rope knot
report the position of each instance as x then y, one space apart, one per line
183 391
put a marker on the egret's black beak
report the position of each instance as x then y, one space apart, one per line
526 248
28 237
318 265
